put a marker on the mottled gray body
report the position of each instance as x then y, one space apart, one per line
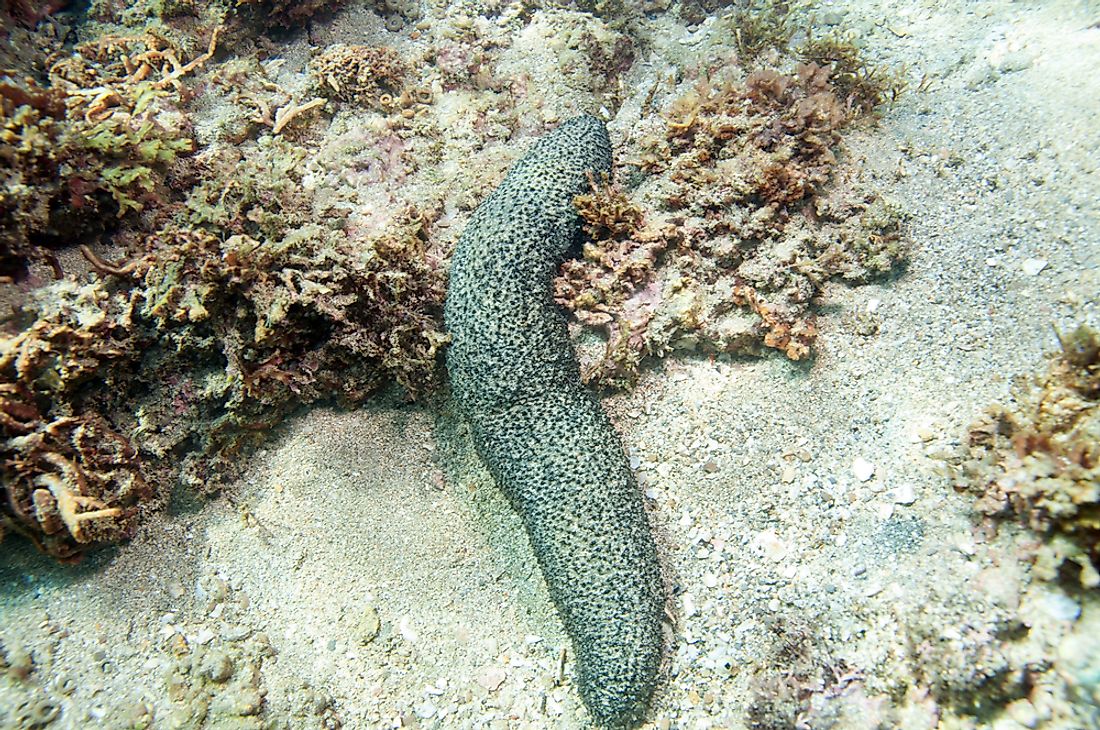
542 434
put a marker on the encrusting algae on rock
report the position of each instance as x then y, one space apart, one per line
1040 462
542 434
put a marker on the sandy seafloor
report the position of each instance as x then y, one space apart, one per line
365 572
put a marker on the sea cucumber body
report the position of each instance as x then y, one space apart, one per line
544 437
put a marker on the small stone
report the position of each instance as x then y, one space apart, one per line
771 545
1061 607
20 662
1023 712
710 580
862 469
203 636
905 494
369 625
1014 61
710 466
235 632
216 666
408 633
925 432
788 474
1032 267
490 678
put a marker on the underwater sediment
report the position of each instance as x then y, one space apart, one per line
542 434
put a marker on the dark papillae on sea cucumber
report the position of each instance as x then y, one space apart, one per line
544 437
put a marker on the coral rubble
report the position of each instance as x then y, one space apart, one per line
735 230
1039 462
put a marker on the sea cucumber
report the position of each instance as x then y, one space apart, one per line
543 436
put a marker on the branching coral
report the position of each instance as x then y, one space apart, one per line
1040 462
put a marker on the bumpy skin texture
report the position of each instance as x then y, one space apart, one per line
543 436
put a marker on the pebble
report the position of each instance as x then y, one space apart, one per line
690 609
490 678
905 494
408 633
1032 267
1023 712
771 545
710 580
1061 607
235 632
862 469
1014 61
369 625
216 666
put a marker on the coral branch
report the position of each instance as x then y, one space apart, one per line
284 115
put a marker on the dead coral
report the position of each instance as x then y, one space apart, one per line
288 13
800 671
741 228
613 284
299 320
1040 462
366 75
30 12
963 652
94 146
31 130
194 349
70 479
862 86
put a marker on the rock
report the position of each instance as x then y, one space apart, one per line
863 469
1032 267
216 666
369 625
1060 607
905 494
491 678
